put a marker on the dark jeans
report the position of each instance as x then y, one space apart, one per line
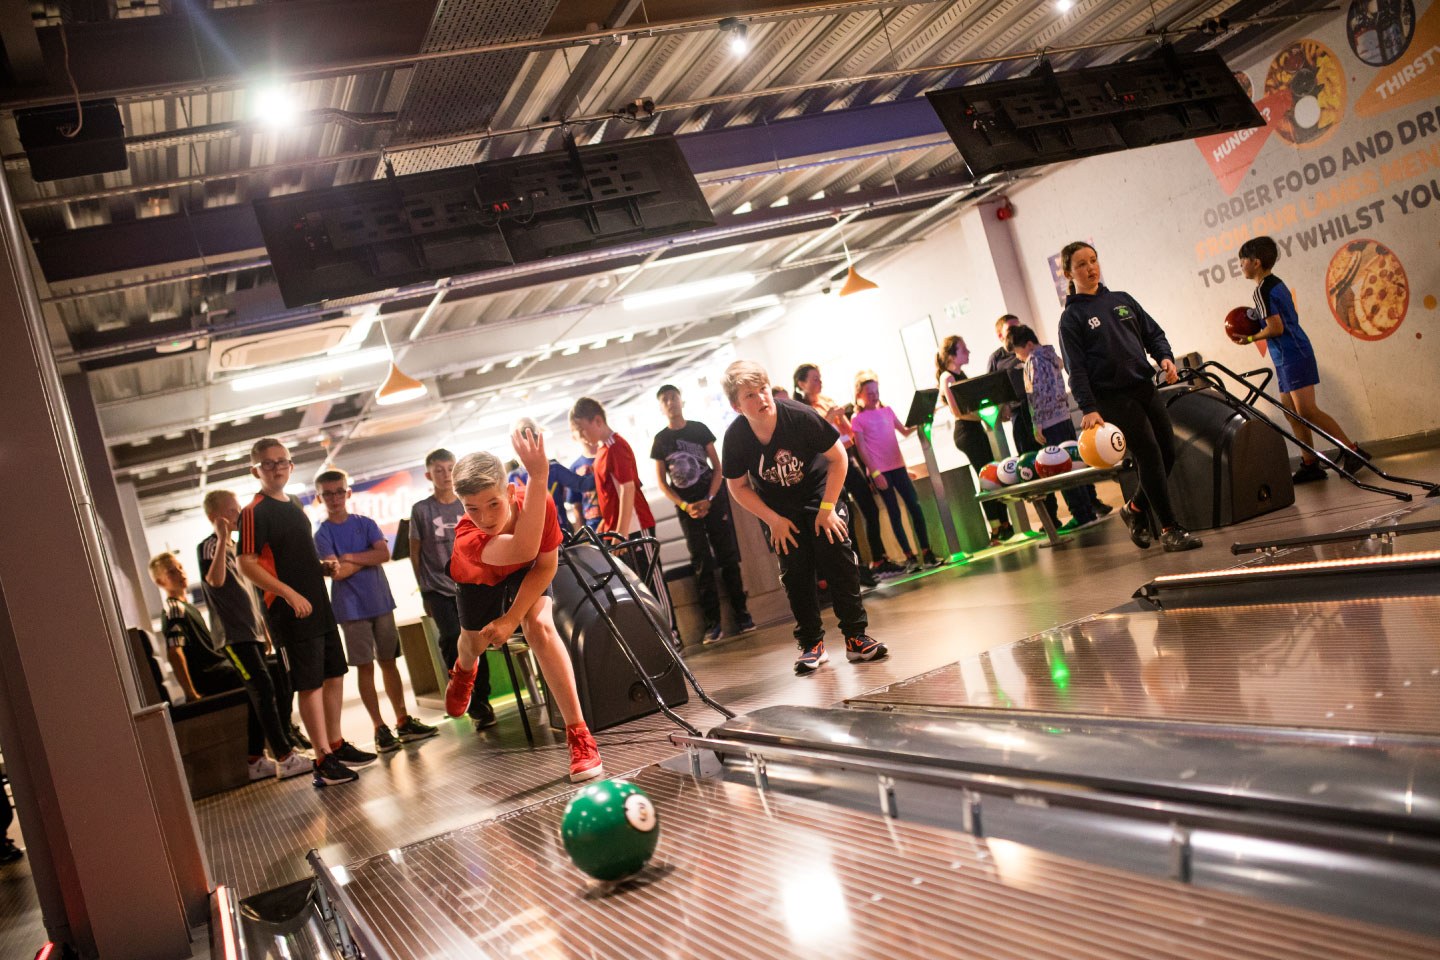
814 555
442 609
267 723
284 690
1080 500
970 439
1149 440
859 490
712 545
1025 442
898 486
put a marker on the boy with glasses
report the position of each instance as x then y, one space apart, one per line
365 608
277 554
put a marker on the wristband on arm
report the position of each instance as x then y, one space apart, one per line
825 505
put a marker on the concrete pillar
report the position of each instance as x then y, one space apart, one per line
1000 239
86 789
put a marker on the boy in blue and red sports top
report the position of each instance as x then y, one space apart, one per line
506 554
1296 372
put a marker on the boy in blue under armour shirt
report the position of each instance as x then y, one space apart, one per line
1296 372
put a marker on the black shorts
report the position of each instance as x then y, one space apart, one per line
481 603
311 661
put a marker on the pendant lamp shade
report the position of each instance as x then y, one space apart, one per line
399 387
854 283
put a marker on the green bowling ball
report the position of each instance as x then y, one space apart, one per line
610 829
1026 467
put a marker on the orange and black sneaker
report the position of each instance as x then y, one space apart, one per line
584 754
458 690
864 648
811 658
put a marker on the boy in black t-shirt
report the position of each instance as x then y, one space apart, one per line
235 617
277 554
688 469
785 464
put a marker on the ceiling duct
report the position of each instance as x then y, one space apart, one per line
245 353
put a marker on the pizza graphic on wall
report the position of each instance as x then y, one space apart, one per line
1312 76
1367 289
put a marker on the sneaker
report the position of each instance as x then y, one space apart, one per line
1139 526
1069 526
713 633
1354 460
811 658
1177 539
867 576
1102 509
385 740
351 755
584 754
747 624
483 715
912 565
864 648
261 769
412 730
930 560
9 853
1309 472
1004 532
458 690
293 765
886 569
331 771
297 737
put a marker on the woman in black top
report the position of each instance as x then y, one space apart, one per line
970 438
1105 337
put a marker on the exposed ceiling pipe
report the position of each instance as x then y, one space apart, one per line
615 35
743 95
786 216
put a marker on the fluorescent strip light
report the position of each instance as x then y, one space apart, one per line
1260 570
514 362
309 369
690 291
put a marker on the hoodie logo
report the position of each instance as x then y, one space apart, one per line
1123 312
1094 323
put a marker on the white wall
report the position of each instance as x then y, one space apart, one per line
1152 215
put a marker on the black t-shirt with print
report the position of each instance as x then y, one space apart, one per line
788 472
234 613
686 462
185 628
278 533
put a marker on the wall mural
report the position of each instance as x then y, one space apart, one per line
1338 170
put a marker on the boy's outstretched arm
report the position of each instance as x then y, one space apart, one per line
521 545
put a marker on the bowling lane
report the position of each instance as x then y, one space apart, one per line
1365 665
741 873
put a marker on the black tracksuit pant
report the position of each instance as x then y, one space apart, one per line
1150 441
267 724
713 548
814 555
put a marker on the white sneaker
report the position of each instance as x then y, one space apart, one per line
262 769
294 765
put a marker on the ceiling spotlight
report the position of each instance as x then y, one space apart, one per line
1063 5
274 106
514 362
738 36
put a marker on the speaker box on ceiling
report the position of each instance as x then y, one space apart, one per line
98 147
1048 117
359 238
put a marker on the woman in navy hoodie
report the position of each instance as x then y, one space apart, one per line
1104 337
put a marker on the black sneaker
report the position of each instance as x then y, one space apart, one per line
1004 532
1177 539
412 730
747 624
385 740
482 715
713 633
1309 472
886 569
351 755
1139 526
867 576
930 560
811 658
331 771
298 738
1355 460
9 853
1103 509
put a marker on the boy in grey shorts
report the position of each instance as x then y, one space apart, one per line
364 607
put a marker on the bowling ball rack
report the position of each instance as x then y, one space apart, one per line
1212 373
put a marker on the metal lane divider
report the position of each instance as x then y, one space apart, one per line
353 934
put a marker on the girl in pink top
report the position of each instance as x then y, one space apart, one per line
875 427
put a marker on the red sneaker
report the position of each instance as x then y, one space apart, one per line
458 690
584 754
